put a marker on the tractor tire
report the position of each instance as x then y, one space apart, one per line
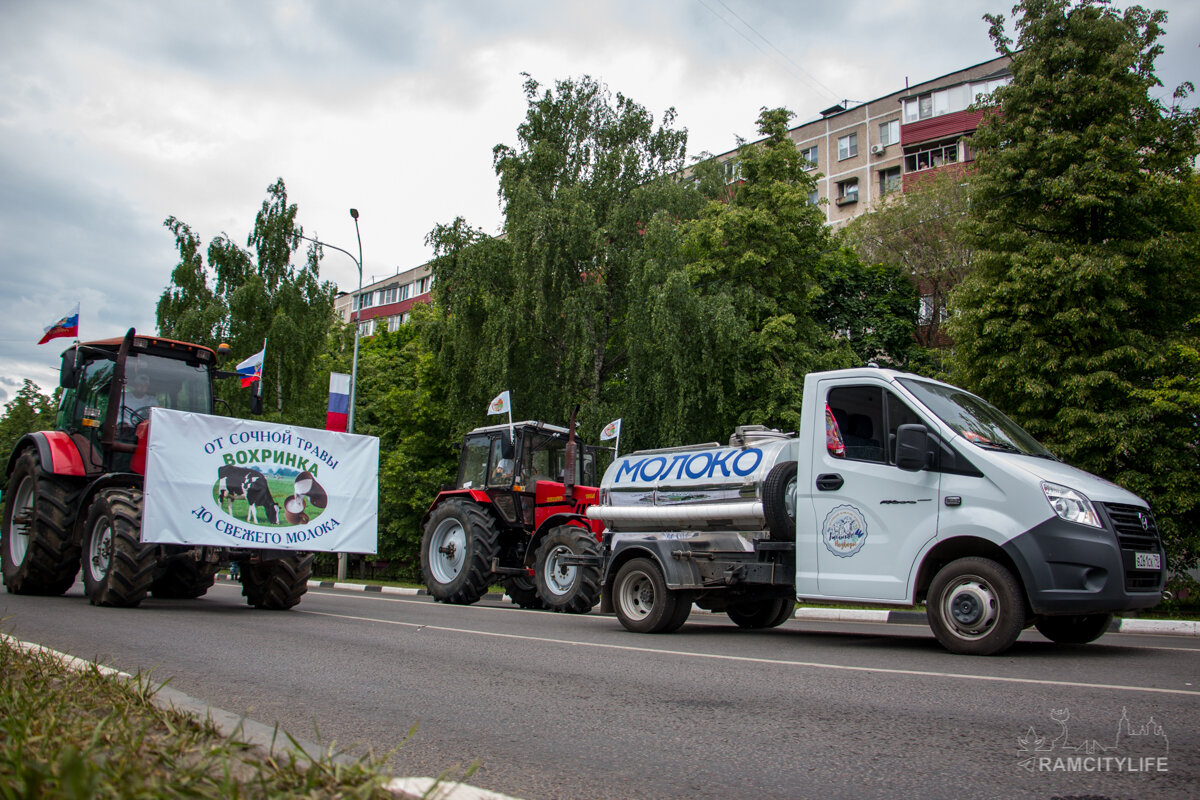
276 585
37 554
185 579
1074 629
572 589
522 591
643 602
779 502
117 568
766 613
975 607
457 549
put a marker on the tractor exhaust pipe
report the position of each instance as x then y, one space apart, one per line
572 457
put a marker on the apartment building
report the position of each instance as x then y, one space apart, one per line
386 303
863 151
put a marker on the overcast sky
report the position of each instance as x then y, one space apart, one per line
116 114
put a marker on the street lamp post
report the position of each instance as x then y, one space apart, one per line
356 301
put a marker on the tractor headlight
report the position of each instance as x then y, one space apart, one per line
1071 505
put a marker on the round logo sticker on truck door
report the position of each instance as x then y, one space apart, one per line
844 531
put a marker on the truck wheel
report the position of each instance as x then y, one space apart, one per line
276 585
37 555
643 602
769 613
975 607
185 579
574 589
779 501
1074 629
117 568
457 549
522 591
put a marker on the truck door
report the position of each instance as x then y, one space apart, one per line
871 518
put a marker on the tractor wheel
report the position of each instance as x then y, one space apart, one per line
36 551
767 613
522 591
457 549
574 589
276 585
117 568
779 501
185 579
976 607
1074 629
643 602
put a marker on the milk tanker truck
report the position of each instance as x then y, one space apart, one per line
897 490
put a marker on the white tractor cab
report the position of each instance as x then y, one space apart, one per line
898 490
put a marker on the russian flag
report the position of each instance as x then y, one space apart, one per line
67 326
251 368
339 402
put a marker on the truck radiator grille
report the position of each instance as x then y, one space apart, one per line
1136 531
1135 526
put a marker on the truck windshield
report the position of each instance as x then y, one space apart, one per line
975 419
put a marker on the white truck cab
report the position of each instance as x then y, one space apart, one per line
897 489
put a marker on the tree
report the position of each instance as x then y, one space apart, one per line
541 312
28 411
1085 232
920 232
257 294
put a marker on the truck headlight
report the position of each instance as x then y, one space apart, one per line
1071 505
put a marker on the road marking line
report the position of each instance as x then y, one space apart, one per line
751 660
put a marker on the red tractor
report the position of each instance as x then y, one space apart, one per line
516 516
74 494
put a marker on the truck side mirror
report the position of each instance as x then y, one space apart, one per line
912 447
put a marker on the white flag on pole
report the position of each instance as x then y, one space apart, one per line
500 404
611 431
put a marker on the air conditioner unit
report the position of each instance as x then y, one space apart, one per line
877 149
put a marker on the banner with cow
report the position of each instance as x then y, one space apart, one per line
243 483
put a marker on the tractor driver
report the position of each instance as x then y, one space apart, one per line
138 402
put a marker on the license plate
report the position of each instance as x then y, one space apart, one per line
1147 561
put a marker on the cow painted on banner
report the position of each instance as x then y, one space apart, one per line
235 482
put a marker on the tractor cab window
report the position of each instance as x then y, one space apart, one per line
84 406
152 381
544 457
502 462
474 470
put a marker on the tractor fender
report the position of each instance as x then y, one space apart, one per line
105 481
549 524
476 495
57 453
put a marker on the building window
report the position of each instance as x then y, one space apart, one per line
847 146
847 192
393 322
889 132
425 284
950 99
889 180
931 156
809 154
366 300
814 197
389 295
733 171
366 327
404 290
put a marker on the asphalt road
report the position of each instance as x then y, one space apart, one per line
555 706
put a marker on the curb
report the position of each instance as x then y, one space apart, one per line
1177 627
273 740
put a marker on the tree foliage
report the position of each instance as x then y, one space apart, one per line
28 411
1085 229
542 310
247 295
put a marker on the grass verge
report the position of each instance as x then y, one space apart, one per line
78 734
